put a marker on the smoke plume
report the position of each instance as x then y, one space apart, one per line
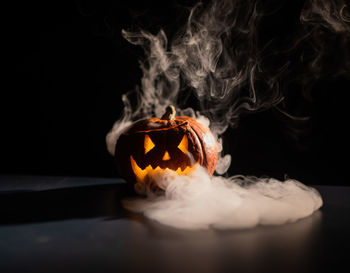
200 201
222 59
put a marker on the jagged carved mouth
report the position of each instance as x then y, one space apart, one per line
141 174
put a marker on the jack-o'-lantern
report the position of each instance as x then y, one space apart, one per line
170 143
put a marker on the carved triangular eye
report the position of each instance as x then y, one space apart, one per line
149 145
183 146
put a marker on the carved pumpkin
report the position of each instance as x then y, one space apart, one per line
168 143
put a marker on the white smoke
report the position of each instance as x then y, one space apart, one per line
199 61
218 57
201 202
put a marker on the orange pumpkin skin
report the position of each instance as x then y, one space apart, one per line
177 143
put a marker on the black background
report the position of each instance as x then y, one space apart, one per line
69 66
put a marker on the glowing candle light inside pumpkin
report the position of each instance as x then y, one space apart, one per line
166 156
183 146
149 145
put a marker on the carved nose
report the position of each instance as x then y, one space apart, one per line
166 156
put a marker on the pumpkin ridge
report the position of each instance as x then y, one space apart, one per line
161 129
200 131
202 145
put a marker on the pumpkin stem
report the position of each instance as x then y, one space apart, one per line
170 113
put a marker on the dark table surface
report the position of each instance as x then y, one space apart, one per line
66 224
